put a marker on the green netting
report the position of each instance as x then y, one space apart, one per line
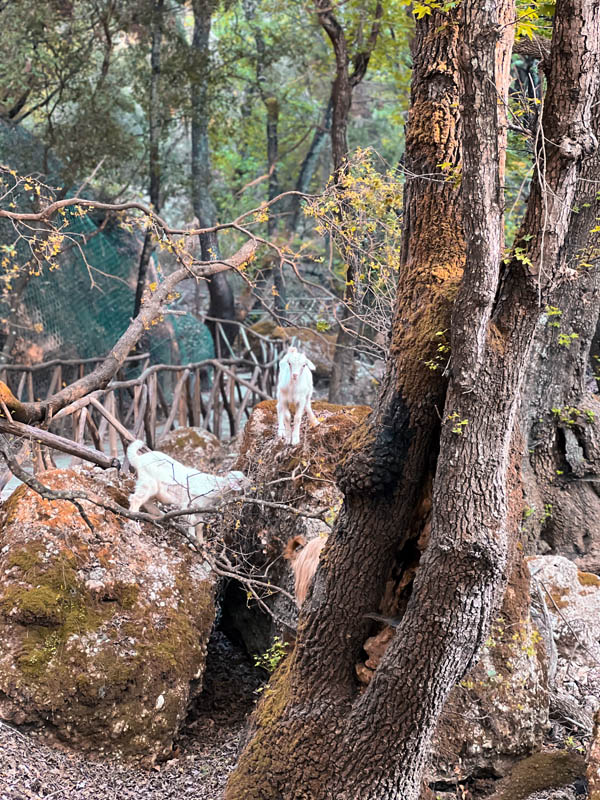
80 309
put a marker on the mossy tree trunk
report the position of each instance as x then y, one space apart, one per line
315 736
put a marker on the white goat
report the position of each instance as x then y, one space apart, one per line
162 478
295 385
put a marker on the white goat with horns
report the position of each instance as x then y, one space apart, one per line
162 478
295 385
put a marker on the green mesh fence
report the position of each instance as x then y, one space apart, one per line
81 309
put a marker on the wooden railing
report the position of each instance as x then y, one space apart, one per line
214 394
38 381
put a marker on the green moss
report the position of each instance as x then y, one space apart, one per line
37 604
126 594
276 695
37 649
26 558
50 602
12 504
178 633
190 438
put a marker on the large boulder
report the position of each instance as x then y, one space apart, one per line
499 711
195 448
572 599
103 632
550 775
540 665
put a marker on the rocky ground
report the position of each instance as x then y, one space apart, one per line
205 753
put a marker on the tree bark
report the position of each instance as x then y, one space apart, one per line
559 411
153 146
388 466
221 295
315 736
342 376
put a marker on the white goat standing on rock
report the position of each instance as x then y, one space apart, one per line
295 385
162 478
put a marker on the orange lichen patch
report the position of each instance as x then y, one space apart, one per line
588 579
558 596
98 626
8 398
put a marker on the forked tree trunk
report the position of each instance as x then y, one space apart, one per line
315 736
298 736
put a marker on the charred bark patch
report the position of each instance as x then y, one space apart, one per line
378 453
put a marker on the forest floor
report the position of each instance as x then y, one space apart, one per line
205 752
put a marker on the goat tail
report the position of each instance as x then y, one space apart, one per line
132 452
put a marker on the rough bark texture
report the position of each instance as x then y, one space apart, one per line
154 145
298 741
315 736
220 292
559 411
342 376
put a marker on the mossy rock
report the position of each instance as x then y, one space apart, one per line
323 446
319 347
104 633
498 713
193 447
546 770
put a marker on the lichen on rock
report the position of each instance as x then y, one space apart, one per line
98 625
194 447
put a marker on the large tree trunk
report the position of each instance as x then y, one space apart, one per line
298 735
315 736
559 411
219 289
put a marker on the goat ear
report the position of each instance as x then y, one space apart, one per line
292 546
310 364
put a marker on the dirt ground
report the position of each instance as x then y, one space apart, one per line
205 752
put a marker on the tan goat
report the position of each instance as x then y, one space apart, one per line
304 560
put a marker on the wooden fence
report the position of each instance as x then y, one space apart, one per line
215 394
